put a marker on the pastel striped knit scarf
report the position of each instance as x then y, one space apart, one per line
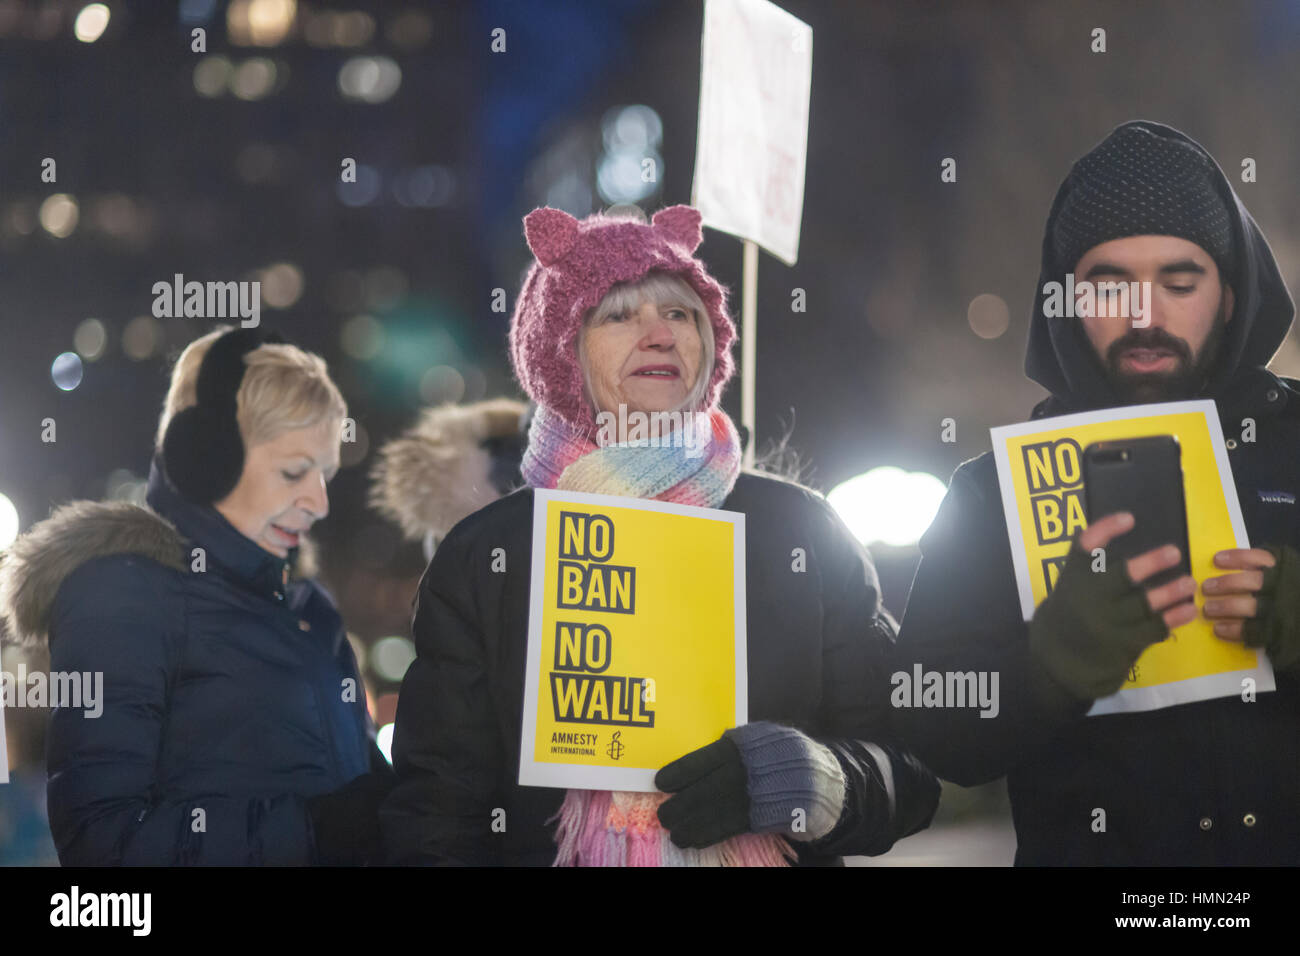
698 469
600 827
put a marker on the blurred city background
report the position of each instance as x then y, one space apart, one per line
225 164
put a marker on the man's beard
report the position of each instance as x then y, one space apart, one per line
1186 380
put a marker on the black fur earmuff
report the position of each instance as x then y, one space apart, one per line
203 453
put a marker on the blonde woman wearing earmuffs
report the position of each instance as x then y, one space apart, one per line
234 729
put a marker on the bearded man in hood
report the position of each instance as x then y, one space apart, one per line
1215 782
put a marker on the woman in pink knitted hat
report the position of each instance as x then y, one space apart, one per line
617 319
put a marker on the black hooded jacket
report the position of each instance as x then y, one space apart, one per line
1209 783
817 642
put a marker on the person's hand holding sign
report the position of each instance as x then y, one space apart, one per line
1259 603
1095 624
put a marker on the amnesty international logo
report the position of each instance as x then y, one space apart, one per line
615 749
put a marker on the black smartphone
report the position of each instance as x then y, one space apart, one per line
1143 476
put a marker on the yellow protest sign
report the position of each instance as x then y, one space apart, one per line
636 638
1040 471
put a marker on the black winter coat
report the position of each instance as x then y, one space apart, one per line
817 643
232 691
1210 783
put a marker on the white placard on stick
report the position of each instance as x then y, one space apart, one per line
755 80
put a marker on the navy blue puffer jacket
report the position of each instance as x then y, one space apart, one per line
230 694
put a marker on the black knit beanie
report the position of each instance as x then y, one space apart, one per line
1136 183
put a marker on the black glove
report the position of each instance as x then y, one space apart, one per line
346 821
710 802
1091 629
1276 624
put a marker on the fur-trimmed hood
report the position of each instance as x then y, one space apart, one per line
36 564
453 461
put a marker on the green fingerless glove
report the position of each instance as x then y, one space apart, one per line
1276 625
1092 627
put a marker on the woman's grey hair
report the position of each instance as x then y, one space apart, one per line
664 290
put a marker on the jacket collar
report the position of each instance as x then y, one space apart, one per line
1250 392
206 527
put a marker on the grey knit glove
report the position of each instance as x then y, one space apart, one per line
759 778
796 785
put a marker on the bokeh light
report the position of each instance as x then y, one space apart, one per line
369 79
260 22
90 339
410 29
282 285
391 656
141 338
59 214
66 370
620 177
253 79
888 505
384 740
91 22
442 384
362 192
988 315
362 337
631 128
212 75
8 522
196 11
